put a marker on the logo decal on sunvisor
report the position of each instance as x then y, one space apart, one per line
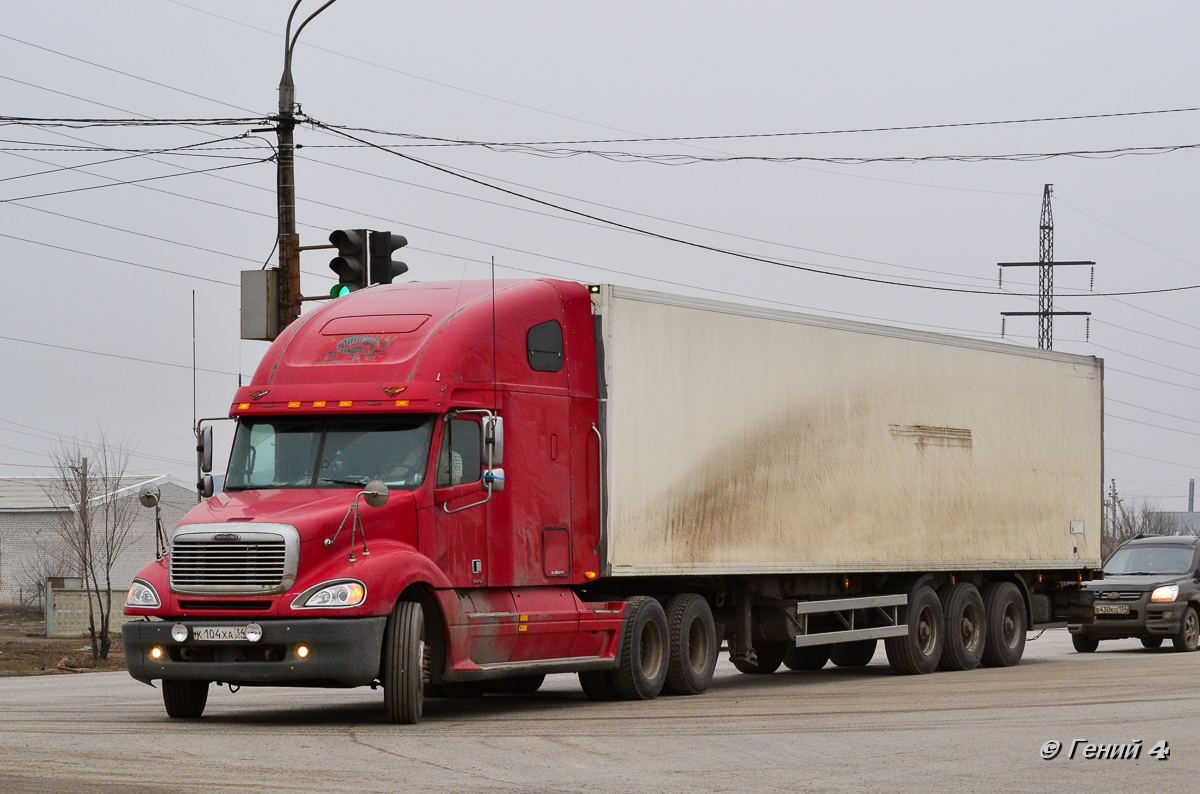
356 349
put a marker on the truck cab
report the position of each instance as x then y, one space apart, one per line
427 448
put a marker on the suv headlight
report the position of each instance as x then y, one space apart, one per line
332 595
142 596
1167 593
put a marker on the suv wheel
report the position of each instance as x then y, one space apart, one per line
1189 631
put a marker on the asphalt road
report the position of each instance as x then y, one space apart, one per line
834 730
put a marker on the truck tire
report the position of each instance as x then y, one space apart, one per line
597 685
919 651
769 656
185 700
1004 644
966 628
1084 643
403 662
1152 642
810 657
645 651
522 685
693 640
1189 631
853 654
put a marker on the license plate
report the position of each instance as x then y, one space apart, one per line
1112 609
219 633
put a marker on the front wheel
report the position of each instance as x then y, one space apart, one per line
1152 642
403 664
185 700
1084 644
1189 631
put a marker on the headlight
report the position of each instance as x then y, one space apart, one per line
142 596
179 632
1167 593
332 595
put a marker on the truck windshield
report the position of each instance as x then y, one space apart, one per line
326 452
1131 560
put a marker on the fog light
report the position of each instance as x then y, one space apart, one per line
156 653
179 632
302 651
253 632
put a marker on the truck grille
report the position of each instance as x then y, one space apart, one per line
258 559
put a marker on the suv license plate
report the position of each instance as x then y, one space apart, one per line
1112 609
219 633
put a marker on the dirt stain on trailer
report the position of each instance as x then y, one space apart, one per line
842 481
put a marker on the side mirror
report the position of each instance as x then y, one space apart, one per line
204 449
375 493
493 480
149 495
205 486
493 436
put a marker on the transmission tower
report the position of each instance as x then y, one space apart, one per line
1045 266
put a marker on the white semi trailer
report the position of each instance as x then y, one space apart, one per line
833 483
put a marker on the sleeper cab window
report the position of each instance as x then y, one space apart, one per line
544 344
460 460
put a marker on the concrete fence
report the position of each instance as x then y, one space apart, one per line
67 612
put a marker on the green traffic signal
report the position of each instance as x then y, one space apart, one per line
339 290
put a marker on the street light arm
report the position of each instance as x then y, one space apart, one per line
289 41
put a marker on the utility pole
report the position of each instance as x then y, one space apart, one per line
271 298
1045 266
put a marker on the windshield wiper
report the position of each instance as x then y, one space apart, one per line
358 481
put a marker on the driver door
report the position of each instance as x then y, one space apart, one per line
459 515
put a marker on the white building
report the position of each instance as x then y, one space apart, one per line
30 547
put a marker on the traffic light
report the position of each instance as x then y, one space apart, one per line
350 263
383 269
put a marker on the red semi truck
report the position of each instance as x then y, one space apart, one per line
447 489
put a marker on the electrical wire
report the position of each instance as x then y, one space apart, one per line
135 181
119 261
114 355
715 249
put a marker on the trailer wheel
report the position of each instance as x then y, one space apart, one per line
966 629
597 685
1005 609
770 656
1189 632
693 638
810 657
403 662
185 700
919 651
645 651
1152 642
522 685
1085 644
853 654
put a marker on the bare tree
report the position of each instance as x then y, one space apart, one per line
1141 518
94 521
49 559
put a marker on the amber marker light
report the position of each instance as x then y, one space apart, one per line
401 403
318 404
345 403
293 405
156 653
302 651
589 575
243 406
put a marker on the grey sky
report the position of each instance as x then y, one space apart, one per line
548 71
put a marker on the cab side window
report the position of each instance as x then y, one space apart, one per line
459 462
544 345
